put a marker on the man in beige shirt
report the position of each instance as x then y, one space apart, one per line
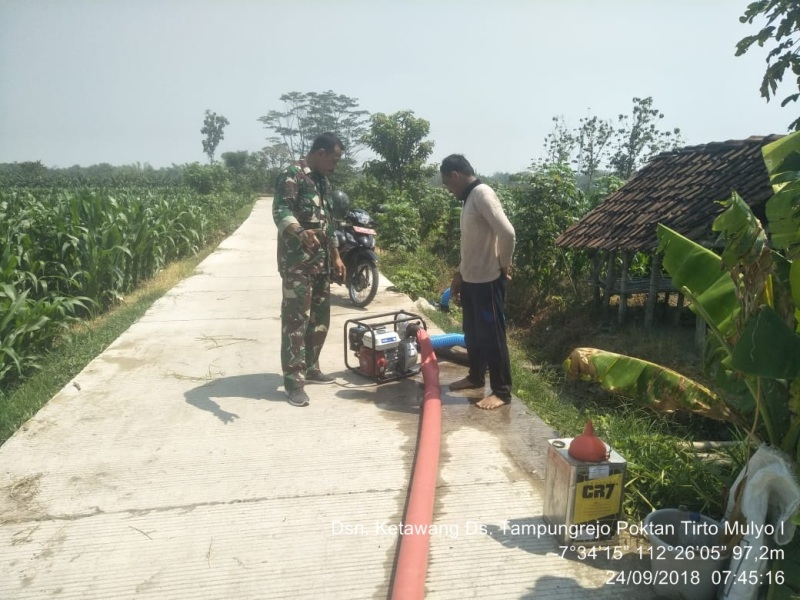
479 285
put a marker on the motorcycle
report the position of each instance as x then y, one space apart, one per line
357 250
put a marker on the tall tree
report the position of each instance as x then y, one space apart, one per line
307 114
32 169
592 138
783 21
399 140
559 144
274 159
237 162
276 156
638 138
288 124
586 146
214 130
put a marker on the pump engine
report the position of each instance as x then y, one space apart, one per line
385 350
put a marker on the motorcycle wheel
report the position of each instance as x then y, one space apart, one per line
363 284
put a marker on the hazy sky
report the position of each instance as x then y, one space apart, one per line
84 82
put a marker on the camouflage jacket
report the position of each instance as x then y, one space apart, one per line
301 197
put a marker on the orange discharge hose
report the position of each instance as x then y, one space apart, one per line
412 559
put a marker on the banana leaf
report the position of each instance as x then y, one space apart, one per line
649 384
782 158
782 299
794 278
744 236
783 209
794 396
741 391
727 382
767 347
783 214
776 154
718 304
700 271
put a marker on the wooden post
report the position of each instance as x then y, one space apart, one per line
652 296
623 287
676 317
596 279
699 334
610 277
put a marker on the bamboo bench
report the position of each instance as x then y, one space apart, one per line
638 285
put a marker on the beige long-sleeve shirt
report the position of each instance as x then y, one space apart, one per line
487 236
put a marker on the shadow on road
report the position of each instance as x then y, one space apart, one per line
563 587
258 386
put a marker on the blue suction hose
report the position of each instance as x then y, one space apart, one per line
446 340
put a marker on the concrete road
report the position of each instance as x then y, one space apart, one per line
173 467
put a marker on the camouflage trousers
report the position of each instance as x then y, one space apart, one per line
305 318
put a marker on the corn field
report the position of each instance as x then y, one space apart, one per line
66 254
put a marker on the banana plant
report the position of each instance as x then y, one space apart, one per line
749 296
657 386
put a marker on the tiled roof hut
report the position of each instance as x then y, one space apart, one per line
679 189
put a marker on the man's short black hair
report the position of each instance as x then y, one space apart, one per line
456 162
327 141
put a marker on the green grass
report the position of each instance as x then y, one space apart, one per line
90 338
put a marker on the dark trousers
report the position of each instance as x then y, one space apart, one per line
484 326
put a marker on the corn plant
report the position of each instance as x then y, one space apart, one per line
27 323
71 252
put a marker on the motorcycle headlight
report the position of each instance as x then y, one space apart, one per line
361 217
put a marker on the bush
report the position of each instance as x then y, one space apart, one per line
399 224
545 203
420 274
367 193
435 205
206 179
414 283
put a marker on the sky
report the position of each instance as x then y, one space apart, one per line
92 81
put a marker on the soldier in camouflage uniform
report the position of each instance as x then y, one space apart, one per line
307 255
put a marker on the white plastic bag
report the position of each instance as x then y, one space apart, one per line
770 497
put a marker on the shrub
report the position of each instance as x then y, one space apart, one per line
399 224
414 282
206 179
367 193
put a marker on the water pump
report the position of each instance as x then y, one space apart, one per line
385 345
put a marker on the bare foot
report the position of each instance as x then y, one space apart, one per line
465 384
491 402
